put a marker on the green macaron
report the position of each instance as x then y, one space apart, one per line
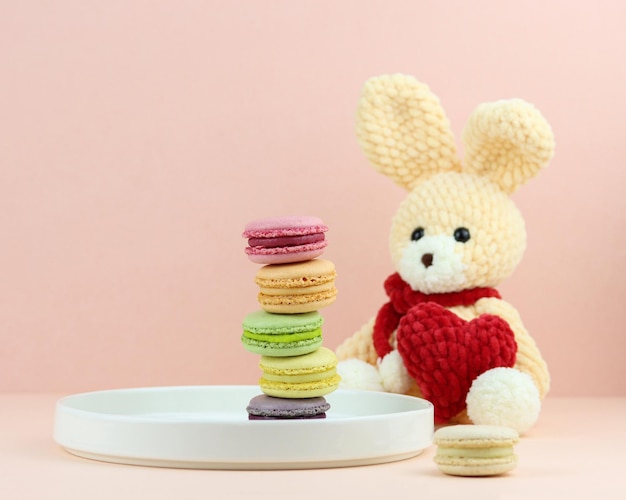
271 334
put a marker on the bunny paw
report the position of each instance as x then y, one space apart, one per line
394 375
357 374
504 396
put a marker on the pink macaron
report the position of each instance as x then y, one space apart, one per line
280 240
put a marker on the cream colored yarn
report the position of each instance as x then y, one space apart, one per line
448 200
507 141
403 130
359 345
406 136
405 133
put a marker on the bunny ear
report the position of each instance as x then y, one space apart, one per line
507 141
403 129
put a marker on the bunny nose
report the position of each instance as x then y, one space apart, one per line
427 259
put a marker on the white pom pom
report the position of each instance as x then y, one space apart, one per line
357 374
504 396
393 373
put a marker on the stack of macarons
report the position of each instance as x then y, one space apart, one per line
287 331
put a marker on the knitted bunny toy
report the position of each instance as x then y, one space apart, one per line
446 334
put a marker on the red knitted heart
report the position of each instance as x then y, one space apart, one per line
445 353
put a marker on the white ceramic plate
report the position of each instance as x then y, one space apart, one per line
207 427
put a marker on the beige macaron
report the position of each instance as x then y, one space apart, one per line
475 450
296 288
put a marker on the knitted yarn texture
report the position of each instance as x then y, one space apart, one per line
455 237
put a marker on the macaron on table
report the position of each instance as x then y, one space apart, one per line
294 418
476 450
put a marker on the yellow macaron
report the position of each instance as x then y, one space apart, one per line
296 288
307 376
475 450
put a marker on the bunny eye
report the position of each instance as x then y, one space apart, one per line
417 234
462 234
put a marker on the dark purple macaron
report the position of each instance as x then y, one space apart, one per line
265 407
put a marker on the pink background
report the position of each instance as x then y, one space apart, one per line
138 137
